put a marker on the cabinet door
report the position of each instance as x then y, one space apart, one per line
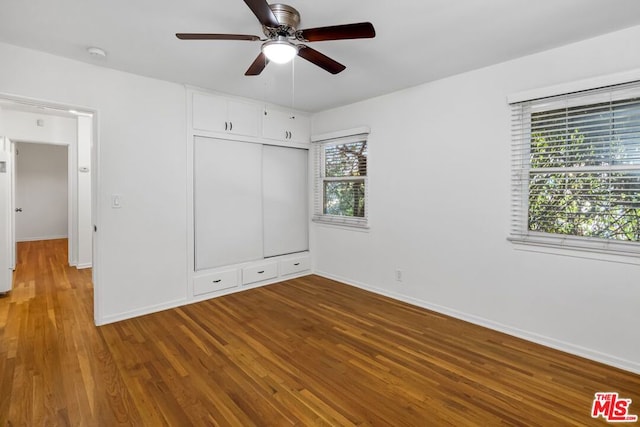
285 201
300 128
244 118
285 125
274 124
209 113
227 202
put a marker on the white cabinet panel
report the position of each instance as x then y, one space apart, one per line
244 118
227 202
295 265
285 200
209 113
260 272
214 113
215 282
285 125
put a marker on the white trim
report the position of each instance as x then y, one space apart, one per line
140 312
574 248
360 227
576 86
340 134
96 183
188 301
241 288
83 266
566 347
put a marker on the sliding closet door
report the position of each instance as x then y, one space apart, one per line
227 202
285 200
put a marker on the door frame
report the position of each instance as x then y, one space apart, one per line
77 110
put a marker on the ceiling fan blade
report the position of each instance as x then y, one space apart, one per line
361 30
197 36
320 59
258 65
263 12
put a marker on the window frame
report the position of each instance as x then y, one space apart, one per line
521 171
319 215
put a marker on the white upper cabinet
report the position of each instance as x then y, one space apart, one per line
215 113
285 125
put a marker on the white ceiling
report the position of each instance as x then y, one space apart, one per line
416 41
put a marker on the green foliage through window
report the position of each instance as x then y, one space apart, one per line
584 175
345 170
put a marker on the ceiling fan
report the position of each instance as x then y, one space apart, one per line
284 40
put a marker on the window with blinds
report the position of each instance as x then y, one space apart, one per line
576 170
341 181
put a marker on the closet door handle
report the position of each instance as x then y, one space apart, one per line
230 125
226 126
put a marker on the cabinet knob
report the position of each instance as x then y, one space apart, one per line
226 125
217 281
230 125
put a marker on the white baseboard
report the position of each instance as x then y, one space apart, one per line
186 301
566 347
82 266
140 312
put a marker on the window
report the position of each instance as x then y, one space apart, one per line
576 170
341 181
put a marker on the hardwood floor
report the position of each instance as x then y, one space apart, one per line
308 351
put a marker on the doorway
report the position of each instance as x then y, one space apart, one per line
41 191
46 134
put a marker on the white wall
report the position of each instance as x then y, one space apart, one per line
439 210
23 126
41 192
142 157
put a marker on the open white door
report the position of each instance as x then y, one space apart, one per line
13 244
7 242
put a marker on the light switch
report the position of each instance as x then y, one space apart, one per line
116 201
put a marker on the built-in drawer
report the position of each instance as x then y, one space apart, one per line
260 272
215 282
294 265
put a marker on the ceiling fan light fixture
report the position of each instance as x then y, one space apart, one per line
279 51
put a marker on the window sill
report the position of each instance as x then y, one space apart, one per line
567 247
362 228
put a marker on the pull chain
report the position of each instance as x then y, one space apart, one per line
293 86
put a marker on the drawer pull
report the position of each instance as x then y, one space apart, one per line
217 281
260 272
296 264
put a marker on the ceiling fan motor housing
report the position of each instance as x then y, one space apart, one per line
287 16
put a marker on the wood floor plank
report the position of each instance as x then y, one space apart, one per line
308 351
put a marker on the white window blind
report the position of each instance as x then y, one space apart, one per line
576 170
341 183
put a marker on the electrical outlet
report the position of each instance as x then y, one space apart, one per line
398 275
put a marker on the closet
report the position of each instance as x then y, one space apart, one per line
250 201
249 206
